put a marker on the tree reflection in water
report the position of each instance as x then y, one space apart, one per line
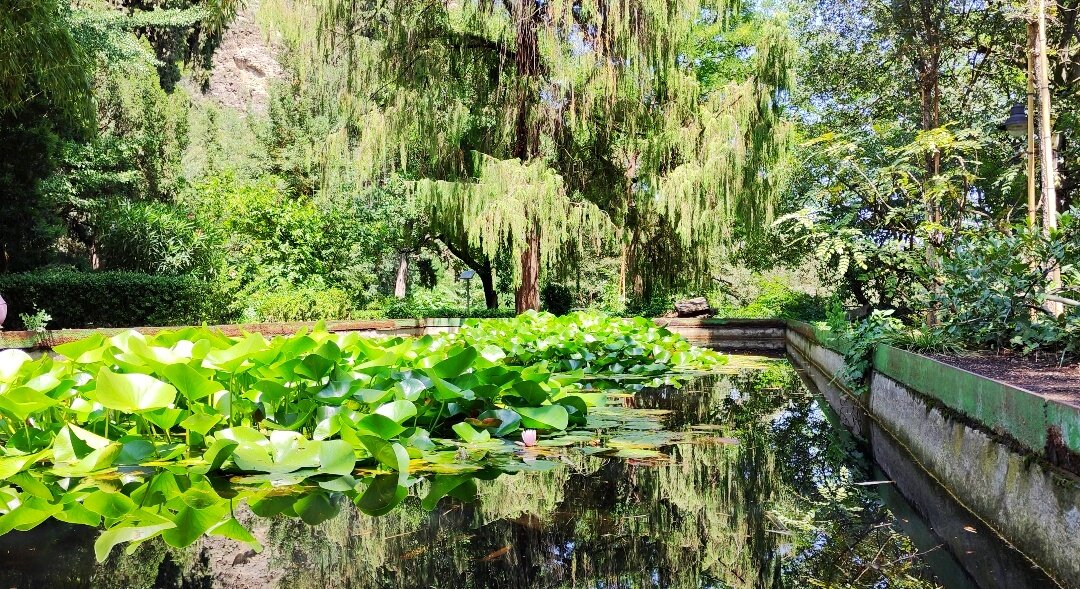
762 494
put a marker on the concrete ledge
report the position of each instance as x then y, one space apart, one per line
982 440
49 339
1025 416
757 335
1035 507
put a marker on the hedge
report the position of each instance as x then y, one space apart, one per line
78 299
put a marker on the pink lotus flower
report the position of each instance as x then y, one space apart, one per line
528 437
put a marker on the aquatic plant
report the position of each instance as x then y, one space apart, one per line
133 430
592 342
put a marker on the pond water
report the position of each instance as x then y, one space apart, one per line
743 479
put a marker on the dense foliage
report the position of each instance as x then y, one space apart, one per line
307 405
489 145
75 298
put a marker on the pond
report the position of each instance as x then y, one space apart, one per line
737 479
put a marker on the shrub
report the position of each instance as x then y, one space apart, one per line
557 299
777 299
155 238
411 309
297 304
112 299
994 286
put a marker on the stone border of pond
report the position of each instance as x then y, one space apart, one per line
761 335
1006 454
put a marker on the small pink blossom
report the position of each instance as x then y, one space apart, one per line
528 437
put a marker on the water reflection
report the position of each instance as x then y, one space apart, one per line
756 488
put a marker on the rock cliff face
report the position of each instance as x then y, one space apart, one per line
244 65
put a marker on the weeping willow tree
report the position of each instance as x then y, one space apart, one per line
514 206
599 101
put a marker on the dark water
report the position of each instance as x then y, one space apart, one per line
763 490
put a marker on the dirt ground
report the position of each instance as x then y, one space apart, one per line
1043 375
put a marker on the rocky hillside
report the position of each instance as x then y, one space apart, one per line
244 65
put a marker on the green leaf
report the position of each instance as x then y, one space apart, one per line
509 421
336 457
191 523
397 411
284 451
22 402
456 364
532 392
131 392
379 425
388 454
315 508
28 514
141 526
135 451
109 505
547 417
12 465
492 353
75 513
441 485
190 382
469 434
218 452
201 423
233 530
84 351
410 388
382 495
165 418
92 462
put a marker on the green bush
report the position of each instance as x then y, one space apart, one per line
155 238
776 299
557 299
297 304
409 309
994 287
111 299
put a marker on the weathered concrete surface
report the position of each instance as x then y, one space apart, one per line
1031 503
985 562
1022 415
1035 506
729 335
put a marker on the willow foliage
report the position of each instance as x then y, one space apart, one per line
605 93
501 208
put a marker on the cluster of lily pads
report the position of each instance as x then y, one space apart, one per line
139 432
591 342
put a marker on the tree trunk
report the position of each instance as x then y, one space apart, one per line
1046 145
487 278
400 283
527 139
528 294
482 266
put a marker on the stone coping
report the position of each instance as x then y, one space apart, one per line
51 338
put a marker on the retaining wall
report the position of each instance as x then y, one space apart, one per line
983 440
